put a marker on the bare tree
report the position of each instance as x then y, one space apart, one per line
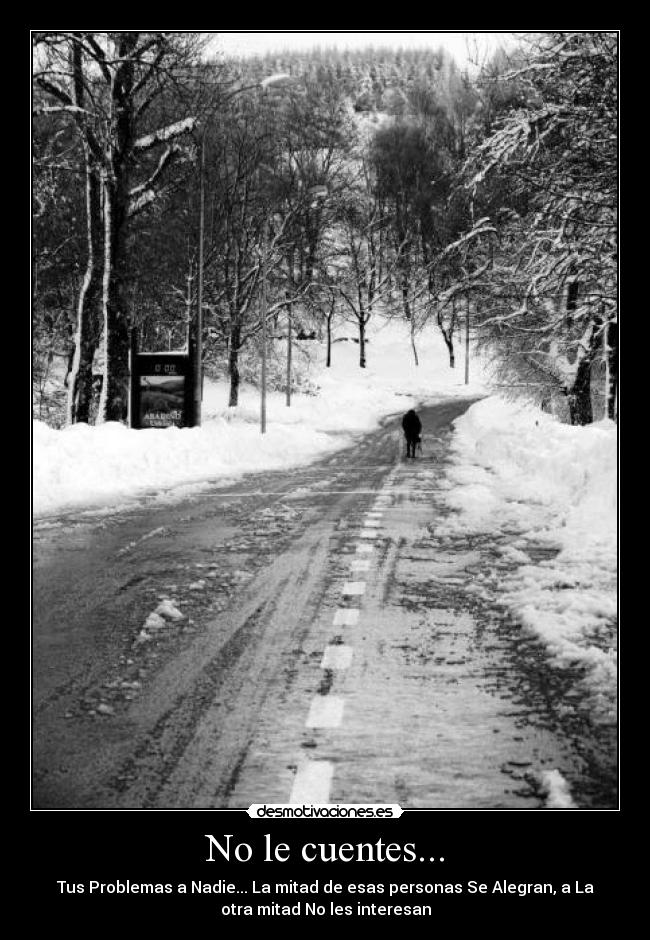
107 84
366 277
549 301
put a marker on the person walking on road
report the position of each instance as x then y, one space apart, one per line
412 427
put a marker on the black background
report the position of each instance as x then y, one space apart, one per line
170 847
600 847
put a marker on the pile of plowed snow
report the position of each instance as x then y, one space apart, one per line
533 482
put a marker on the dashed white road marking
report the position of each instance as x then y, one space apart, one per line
337 656
235 494
345 617
353 588
312 782
326 711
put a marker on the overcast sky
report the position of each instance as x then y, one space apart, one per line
457 43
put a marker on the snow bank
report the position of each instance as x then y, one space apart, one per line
521 475
556 790
82 465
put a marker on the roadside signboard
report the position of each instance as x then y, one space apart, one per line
161 390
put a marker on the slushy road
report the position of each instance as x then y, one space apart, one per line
329 650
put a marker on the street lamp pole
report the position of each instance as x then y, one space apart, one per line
466 339
198 337
289 340
265 238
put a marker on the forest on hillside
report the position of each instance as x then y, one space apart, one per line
335 185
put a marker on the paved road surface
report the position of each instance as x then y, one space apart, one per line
329 651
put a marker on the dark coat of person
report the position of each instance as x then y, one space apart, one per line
412 426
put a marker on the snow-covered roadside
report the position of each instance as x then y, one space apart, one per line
519 474
105 465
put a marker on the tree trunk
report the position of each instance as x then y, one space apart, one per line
467 341
312 248
405 296
328 363
115 389
415 352
580 409
80 375
612 362
362 344
233 366
448 336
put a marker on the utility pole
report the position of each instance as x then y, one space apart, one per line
466 339
263 399
188 309
198 343
289 330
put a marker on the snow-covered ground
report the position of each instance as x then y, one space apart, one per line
532 482
105 465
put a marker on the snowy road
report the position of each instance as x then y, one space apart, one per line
302 635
